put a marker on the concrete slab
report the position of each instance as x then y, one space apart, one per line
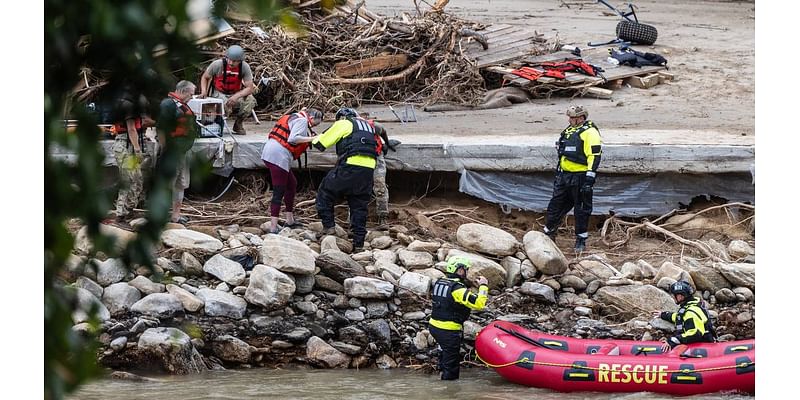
625 151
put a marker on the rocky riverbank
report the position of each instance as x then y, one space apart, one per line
235 297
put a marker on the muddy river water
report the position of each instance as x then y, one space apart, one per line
343 384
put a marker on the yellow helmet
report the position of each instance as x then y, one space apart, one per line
454 263
577 111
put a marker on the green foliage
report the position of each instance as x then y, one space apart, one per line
118 37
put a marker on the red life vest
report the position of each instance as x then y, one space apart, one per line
533 74
377 137
183 119
230 81
280 132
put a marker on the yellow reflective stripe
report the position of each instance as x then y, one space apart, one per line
552 343
362 161
686 378
578 375
648 349
739 348
446 325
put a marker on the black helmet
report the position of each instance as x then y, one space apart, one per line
681 287
346 112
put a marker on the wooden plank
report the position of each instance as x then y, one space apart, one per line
664 76
504 56
474 48
378 63
503 31
508 39
507 47
621 72
643 82
599 93
557 56
495 28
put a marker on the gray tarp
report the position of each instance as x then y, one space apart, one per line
626 195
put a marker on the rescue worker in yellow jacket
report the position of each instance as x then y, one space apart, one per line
357 147
578 158
692 323
452 304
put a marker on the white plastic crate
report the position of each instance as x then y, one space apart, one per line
207 110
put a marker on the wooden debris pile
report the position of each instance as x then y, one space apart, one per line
352 56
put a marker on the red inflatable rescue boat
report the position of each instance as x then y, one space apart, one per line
565 364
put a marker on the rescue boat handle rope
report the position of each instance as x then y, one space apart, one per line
574 366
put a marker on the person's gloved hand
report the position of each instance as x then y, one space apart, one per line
669 344
588 183
482 281
665 345
393 143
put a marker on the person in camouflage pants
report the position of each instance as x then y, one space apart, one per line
380 189
130 151
130 163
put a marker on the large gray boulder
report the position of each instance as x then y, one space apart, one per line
146 286
707 278
674 272
120 236
394 270
487 239
86 302
222 304
339 266
320 352
481 266
189 301
269 288
187 239
739 249
287 255
416 283
538 291
172 350
415 259
513 267
632 300
119 297
544 254
368 288
386 256
738 274
110 271
590 270
158 305
419 245
90 285
191 266
226 270
231 349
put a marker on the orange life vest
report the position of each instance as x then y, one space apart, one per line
122 127
280 132
230 81
184 119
